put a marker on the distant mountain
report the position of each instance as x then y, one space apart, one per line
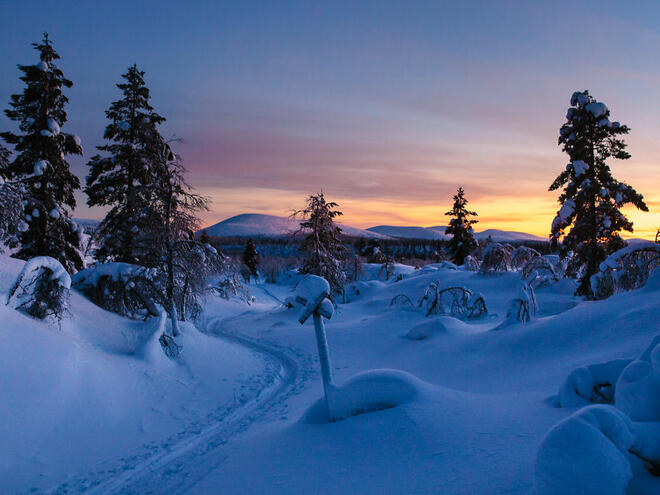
408 232
258 225
438 232
508 236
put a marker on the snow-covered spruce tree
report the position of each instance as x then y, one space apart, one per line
323 249
183 264
40 161
123 177
591 199
462 241
251 258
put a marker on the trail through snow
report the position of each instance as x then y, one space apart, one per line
180 462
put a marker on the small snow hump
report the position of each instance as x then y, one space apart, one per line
371 391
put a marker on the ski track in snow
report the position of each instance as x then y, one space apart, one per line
178 463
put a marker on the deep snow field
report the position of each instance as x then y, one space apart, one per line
96 406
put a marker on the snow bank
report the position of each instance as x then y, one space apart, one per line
426 330
594 383
638 388
373 390
586 453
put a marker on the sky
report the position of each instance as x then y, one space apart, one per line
386 106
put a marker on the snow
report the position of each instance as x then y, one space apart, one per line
42 66
580 167
53 126
597 109
40 167
54 213
586 453
566 210
257 225
425 405
578 389
638 388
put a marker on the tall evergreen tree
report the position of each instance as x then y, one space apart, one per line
251 257
591 199
40 162
323 249
122 179
462 241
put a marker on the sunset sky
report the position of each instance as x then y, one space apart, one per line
386 106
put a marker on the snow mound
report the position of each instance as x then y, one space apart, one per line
586 453
426 330
594 383
369 391
637 391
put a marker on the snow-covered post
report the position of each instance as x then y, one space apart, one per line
312 293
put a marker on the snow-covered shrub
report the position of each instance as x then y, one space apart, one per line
496 258
626 269
586 453
471 264
637 390
42 289
594 384
427 329
401 301
522 255
455 301
122 288
539 272
230 286
522 308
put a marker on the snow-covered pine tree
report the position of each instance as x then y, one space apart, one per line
123 177
251 258
323 249
40 161
462 241
591 199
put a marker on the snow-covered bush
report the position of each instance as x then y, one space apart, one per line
230 286
471 264
455 301
522 308
496 258
586 453
42 289
521 257
539 272
119 287
626 269
593 384
401 301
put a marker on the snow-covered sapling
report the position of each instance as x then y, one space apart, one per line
522 308
521 256
311 295
458 302
42 289
322 246
539 272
